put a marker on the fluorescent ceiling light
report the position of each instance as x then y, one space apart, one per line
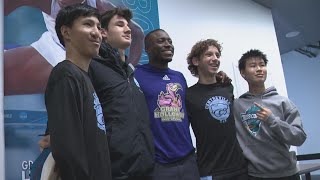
292 34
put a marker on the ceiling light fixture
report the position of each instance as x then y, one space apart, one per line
292 34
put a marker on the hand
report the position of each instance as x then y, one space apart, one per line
223 78
263 113
44 142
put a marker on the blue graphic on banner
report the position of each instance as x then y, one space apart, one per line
145 13
22 129
33 27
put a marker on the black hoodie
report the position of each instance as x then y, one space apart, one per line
126 115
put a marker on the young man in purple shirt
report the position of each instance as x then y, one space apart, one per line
164 90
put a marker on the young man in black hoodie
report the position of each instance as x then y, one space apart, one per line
76 125
124 106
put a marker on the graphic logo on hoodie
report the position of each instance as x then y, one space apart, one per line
170 104
219 108
249 118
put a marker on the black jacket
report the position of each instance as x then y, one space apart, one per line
126 115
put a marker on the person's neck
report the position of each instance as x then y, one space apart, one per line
158 65
207 79
79 60
122 55
256 89
121 52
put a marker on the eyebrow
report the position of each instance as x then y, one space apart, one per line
121 21
163 38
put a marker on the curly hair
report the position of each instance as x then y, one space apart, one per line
197 50
250 54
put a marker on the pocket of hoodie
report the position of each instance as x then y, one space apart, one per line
270 158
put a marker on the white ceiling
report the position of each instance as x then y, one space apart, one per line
295 15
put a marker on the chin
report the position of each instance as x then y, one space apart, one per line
214 72
128 42
168 60
125 45
94 53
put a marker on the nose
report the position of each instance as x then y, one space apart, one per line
127 30
167 43
96 32
259 68
215 57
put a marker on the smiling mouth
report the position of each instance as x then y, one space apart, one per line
127 37
96 42
167 52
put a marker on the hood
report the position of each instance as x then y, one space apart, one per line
268 92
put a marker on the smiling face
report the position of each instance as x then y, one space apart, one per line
83 36
160 48
209 62
255 71
118 33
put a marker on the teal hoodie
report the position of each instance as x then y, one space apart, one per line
266 144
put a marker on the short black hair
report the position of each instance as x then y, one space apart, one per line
108 15
67 15
147 37
253 53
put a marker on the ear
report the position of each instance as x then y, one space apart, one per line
243 74
147 48
104 33
195 61
65 31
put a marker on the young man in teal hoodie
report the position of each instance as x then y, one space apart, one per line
267 124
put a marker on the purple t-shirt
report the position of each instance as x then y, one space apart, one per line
165 90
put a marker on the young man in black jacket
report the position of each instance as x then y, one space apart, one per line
124 106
